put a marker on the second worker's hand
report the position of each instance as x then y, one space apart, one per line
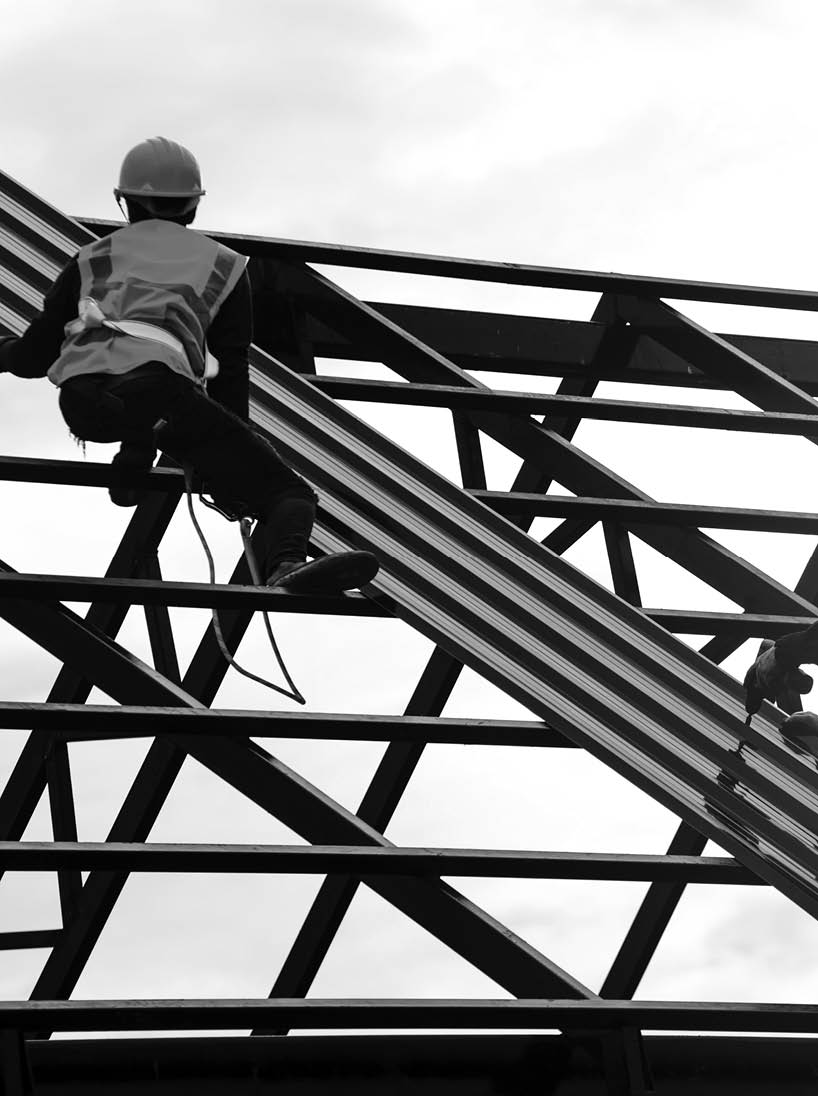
775 677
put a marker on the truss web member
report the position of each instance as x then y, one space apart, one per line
124 334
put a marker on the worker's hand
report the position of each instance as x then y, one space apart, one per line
776 678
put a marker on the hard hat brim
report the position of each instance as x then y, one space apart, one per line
133 192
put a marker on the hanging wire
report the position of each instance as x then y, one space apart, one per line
293 693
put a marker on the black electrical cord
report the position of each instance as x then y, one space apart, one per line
293 693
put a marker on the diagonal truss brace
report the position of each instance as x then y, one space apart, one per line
246 766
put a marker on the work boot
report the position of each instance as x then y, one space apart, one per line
131 463
331 574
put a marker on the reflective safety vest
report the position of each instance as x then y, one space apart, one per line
149 292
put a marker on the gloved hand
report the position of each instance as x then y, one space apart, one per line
775 676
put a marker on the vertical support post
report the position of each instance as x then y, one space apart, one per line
16 1072
625 1063
620 557
469 452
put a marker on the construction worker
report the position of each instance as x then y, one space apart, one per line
124 334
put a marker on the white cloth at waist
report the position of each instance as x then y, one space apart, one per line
91 315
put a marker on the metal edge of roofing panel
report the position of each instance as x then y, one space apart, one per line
49 222
504 646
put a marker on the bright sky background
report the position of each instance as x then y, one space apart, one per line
666 137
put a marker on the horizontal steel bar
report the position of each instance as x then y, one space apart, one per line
589 281
748 625
29 938
103 720
197 595
363 860
538 346
384 1013
80 473
586 407
632 512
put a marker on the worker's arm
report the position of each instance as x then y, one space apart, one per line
36 350
775 674
228 340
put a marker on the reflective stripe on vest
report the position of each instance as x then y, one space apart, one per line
153 280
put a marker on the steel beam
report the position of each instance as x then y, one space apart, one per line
469 452
363 861
299 251
732 628
562 405
620 559
84 474
536 1014
631 512
90 721
29 938
714 356
63 822
196 595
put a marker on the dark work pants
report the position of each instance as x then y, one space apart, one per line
238 467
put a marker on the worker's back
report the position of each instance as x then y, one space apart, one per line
153 272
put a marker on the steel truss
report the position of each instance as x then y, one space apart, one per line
599 670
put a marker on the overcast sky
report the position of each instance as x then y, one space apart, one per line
668 137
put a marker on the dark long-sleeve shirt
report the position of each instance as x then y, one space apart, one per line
228 338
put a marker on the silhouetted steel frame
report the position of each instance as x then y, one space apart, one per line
477 937
674 289
390 360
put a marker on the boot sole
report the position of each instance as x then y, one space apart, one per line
331 574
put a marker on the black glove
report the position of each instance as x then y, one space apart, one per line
775 676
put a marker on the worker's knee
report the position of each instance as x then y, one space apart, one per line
296 491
